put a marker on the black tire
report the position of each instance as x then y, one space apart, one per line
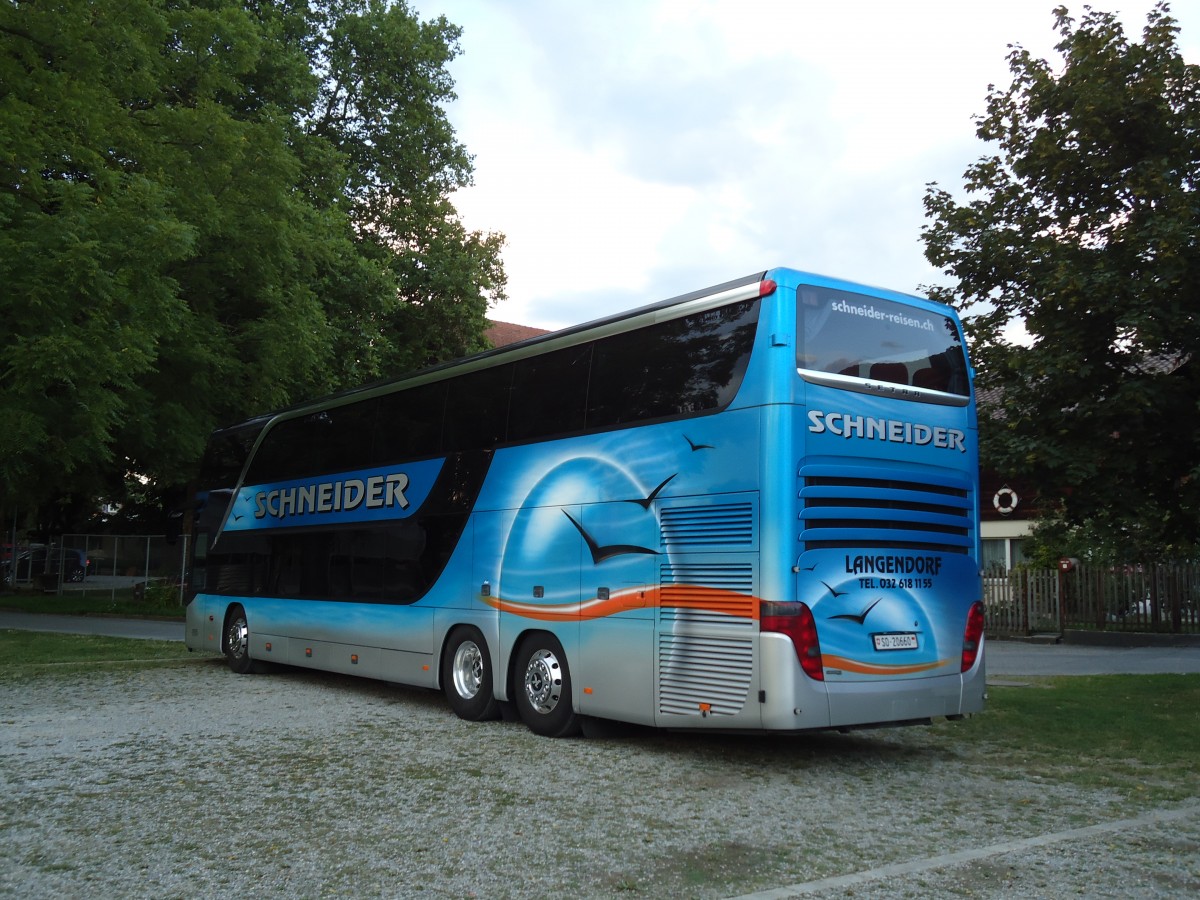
542 687
235 642
467 676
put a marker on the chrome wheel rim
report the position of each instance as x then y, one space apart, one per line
238 638
467 670
543 681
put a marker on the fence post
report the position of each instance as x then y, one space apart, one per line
1062 604
1023 580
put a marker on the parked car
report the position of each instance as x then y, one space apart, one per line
69 562
73 565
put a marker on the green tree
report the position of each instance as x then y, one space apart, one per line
375 59
211 208
1085 225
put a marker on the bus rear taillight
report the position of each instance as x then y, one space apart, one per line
797 622
973 635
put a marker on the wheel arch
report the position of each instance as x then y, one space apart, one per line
444 648
510 667
568 639
449 622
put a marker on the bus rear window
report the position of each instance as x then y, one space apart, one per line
857 336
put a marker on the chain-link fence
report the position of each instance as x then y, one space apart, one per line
112 564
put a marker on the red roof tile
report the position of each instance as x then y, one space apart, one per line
503 333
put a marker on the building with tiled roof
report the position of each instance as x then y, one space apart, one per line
501 334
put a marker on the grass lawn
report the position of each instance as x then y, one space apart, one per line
29 651
1139 734
157 600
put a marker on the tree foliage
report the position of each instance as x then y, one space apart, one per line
210 208
1085 224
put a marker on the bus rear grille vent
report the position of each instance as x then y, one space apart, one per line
887 512
699 676
708 594
720 525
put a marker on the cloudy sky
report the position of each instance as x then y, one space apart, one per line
632 150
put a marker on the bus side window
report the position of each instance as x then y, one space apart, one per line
477 409
198 573
410 423
689 365
629 374
351 437
549 394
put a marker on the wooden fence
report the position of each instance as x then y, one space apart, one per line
1163 598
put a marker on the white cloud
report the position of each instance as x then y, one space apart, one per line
633 150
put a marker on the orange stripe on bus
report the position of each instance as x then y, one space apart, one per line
730 603
863 668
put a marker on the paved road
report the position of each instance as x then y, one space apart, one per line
1004 658
147 629
1014 658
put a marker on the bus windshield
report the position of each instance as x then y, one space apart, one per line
857 336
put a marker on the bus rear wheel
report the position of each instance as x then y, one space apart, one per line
543 689
237 642
467 676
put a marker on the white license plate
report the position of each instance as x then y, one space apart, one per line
895 641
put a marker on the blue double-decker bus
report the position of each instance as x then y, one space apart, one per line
750 507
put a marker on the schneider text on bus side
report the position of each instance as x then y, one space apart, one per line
376 492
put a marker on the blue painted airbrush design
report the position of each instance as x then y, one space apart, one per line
583 515
851 608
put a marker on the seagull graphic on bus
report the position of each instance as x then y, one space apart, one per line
566 523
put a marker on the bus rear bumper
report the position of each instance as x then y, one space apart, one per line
792 701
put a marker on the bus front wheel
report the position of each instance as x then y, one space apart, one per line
467 676
237 642
543 689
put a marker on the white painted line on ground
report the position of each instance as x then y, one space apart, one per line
1156 817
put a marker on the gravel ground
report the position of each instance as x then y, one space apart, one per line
183 780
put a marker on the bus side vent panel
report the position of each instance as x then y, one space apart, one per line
848 509
707 605
697 594
720 525
703 675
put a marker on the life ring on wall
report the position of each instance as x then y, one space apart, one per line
1005 500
